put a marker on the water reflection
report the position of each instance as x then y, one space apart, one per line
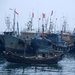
30 69
65 67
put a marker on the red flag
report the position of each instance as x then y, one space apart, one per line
52 13
32 14
43 14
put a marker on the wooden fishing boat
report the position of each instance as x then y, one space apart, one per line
52 58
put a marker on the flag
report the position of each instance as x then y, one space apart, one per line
52 13
10 9
16 12
32 14
43 14
56 18
39 18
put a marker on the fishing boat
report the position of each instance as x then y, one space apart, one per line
61 45
10 39
73 38
41 58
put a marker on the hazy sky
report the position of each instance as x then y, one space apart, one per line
26 7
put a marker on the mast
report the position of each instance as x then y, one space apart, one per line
18 28
64 26
14 18
14 21
55 25
7 21
30 23
17 24
32 20
43 17
51 24
38 25
46 24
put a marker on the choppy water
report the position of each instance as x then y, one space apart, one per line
65 67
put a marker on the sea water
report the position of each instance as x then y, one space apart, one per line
64 67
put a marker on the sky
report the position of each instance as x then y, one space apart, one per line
25 8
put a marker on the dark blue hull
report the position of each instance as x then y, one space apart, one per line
15 58
2 43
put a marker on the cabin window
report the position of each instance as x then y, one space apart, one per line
11 43
43 55
27 37
21 43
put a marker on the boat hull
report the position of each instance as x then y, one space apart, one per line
2 43
14 58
